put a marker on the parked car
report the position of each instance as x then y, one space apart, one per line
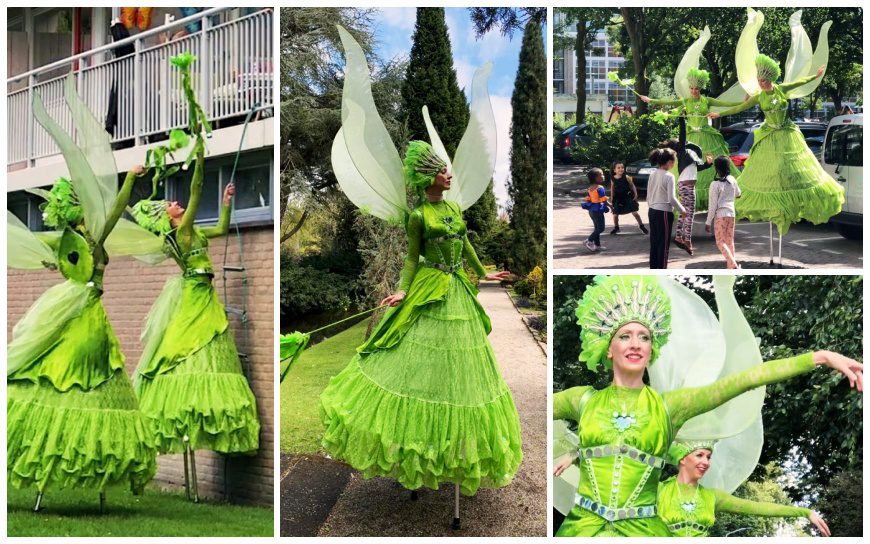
843 159
566 140
741 136
640 172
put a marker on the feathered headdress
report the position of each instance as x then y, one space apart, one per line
767 68
421 165
151 215
61 207
697 78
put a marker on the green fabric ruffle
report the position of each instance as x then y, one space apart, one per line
77 438
710 141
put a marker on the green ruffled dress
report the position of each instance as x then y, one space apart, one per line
72 416
423 401
782 182
710 140
189 379
691 510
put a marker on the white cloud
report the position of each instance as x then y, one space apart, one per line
399 18
501 107
464 74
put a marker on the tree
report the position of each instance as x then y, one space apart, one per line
508 20
528 184
586 23
842 503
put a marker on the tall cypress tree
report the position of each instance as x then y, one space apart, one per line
528 184
431 81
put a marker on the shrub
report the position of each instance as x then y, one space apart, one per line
628 139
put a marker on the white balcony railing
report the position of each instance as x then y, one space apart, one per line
233 72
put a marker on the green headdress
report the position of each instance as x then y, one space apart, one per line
698 78
61 208
767 68
421 165
613 301
151 215
680 449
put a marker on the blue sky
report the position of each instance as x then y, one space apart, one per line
394 28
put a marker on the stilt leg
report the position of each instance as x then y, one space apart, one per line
102 502
186 474
38 504
780 250
414 495
456 525
770 238
193 473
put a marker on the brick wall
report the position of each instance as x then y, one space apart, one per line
130 289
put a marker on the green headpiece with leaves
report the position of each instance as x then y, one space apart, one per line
767 68
151 215
697 78
421 165
613 301
61 208
680 449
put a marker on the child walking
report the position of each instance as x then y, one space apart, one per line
662 203
624 195
596 204
720 212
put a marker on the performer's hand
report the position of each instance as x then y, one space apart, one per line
820 524
850 368
497 276
563 464
228 193
393 300
706 228
713 115
644 98
821 71
139 170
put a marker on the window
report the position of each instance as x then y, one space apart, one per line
25 206
559 73
844 146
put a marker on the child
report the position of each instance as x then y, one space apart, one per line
624 195
596 204
662 203
723 192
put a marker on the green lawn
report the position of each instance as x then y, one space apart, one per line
155 513
301 429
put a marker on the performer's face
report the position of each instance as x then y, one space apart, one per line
630 348
174 210
442 179
696 464
765 85
696 92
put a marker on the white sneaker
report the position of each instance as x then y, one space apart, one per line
590 246
601 248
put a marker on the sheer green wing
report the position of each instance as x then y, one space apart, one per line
24 248
474 162
801 60
735 93
689 61
128 238
157 320
364 159
565 485
747 50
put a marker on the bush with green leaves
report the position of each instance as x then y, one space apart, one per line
306 289
628 139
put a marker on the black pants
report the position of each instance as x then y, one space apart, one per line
660 226
597 227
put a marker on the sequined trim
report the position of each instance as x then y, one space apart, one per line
615 514
442 267
688 524
191 272
628 451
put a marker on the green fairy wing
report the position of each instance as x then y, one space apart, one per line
690 60
801 60
747 50
364 159
89 160
28 250
292 346
128 238
565 485
474 162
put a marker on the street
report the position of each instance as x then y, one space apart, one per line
805 245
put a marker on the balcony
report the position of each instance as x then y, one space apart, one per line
232 75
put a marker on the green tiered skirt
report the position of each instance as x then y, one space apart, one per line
711 141
782 182
432 408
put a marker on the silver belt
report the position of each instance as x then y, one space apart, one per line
687 524
442 267
628 451
191 272
615 514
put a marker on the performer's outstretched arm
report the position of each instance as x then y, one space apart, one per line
471 258
223 225
743 106
566 404
797 83
121 202
722 103
736 505
185 229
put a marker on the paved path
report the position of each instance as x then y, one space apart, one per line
381 507
805 245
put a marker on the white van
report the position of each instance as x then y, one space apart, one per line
842 158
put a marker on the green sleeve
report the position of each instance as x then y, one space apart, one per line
223 224
412 259
786 87
722 103
566 404
471 258
665 102
118 206
684 404
185 234
743 106
736 505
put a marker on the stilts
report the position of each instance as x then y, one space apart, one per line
190 471
456 524
186 471
780 249
102 502
414 495
770 239
38 501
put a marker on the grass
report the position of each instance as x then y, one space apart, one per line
301 429
154 513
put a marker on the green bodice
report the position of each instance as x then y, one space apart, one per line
686 510
443 235
696 112
194 262
621 457
774 104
